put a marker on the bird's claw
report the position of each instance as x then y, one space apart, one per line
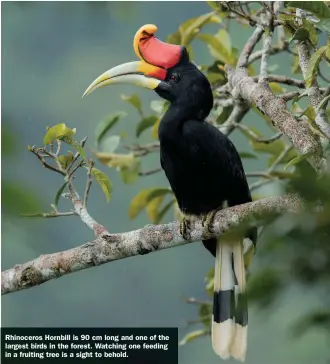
207 223
185 229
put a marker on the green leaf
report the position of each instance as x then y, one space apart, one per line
65 160
316 319
163 211
174 38
318 8
213 5
274 148
135 101
247 155
105 125
288 17
152 208
157 106
190 28
264 286
158 192
312 31
322 104
217 49
76 145
139 202
192 336
104 181
295 106
58 132
224 114
276 88
282 174
154 131
127 164
59 193
313 65
297 160
247 134
130 173
295 69
205 313
111 144
115 160
310 113
145 123
215 78
224 38
144 198
301 34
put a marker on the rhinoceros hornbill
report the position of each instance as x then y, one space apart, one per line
203 168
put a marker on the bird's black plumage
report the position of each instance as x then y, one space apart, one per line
202 165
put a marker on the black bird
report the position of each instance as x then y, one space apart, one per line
203 168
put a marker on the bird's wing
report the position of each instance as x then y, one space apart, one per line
206 143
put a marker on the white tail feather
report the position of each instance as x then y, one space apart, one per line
239 343
222 332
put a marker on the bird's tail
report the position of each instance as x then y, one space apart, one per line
229 321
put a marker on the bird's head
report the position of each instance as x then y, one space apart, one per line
164 68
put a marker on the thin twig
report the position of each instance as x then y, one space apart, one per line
77 155
271 139
50 214
248 48
283 79
241 108
45 164
276 162
70 175
252 21
289 95
196 301
267 46
274 50
141 150
256 138
259 174
89 182
59 143
152 171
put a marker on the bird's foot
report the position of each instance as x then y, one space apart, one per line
207 223
185 228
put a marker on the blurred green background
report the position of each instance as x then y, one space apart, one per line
50 53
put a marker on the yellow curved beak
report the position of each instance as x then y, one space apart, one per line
138 73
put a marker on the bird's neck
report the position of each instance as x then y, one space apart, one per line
170 126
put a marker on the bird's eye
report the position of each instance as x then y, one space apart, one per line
175 77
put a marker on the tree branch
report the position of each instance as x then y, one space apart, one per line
275 108
263 79
248 48
282 79
110 247
274 50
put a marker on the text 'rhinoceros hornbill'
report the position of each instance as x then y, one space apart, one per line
203 168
